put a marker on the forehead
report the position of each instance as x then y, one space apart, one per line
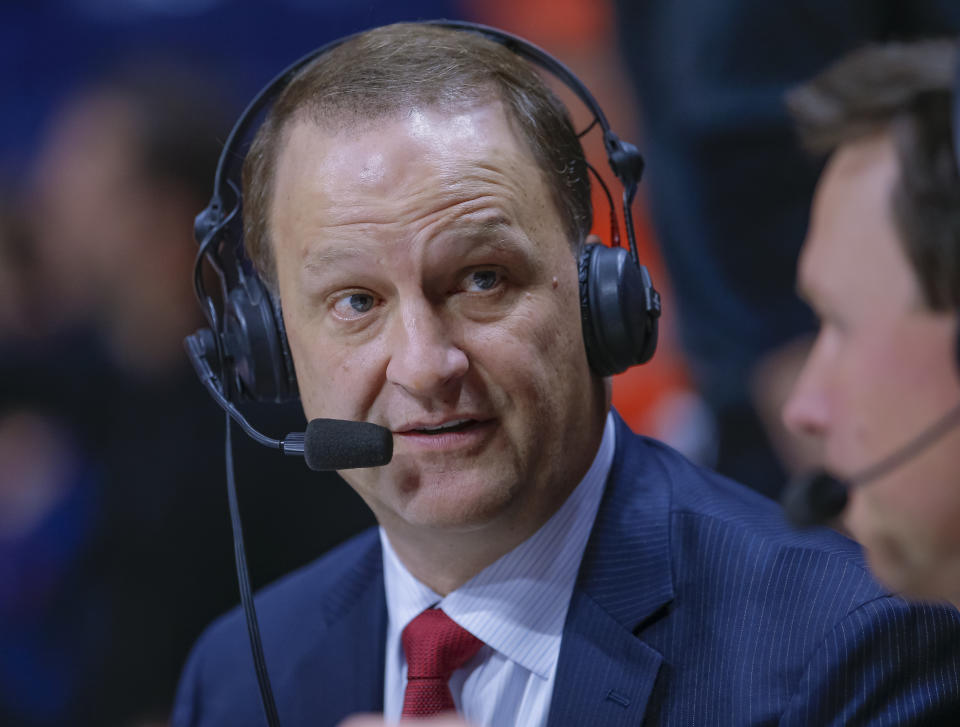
418 150
853 255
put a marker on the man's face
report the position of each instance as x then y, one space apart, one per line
428 286
881 371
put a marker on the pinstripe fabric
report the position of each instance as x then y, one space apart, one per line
741 620
516 606
695 604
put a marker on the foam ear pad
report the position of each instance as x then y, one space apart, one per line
619 309
255 344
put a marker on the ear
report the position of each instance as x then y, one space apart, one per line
591 238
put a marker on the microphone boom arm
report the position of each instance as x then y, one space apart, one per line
199 345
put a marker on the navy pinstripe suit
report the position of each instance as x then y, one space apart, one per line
695 605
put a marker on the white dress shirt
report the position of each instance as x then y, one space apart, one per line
517 606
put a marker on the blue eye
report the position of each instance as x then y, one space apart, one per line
354 305
361 302
480 280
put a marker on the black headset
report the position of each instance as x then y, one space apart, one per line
619 306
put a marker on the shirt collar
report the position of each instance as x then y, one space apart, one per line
518 604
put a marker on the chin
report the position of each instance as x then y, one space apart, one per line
464 501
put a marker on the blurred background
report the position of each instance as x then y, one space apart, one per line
115 547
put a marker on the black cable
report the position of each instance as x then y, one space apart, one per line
246 596
927 437
587 130
614 225
629 191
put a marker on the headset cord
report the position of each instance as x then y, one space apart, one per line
246 596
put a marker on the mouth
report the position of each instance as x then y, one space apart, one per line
457 425
446 435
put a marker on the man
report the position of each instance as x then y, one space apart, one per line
880 268
416 198
710 76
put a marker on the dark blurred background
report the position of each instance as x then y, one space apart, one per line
115 547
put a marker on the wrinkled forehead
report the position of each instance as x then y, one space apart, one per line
447 149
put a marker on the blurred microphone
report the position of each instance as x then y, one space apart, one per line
817 498
814 498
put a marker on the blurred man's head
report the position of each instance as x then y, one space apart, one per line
416 199
123 169
881 268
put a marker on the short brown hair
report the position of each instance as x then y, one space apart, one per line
390 69
907 90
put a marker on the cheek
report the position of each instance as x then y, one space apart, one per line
307 366
539 355
333 379
862 396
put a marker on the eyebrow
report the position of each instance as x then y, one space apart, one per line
487 231
317 261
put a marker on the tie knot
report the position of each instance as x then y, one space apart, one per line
436 646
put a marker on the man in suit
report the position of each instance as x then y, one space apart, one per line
417 200
880 267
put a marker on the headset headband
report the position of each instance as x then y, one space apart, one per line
624 158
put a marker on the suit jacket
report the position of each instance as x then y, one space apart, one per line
695 604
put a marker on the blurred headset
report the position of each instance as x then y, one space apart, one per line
246 340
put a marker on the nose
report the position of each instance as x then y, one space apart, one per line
424 359
806 410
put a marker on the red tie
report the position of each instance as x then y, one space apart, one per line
435 647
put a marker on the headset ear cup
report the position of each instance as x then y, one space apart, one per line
255 344
590 342
619 310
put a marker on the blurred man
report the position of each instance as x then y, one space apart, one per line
881 268
95 626
417 199
114 540
710 77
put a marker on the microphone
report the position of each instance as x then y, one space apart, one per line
817 498
336 444
328 444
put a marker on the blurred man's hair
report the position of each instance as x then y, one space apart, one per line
907 90
180 120
386 72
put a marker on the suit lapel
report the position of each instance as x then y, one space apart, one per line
606 674
355 649
341 670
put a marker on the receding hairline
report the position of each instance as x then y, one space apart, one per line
333 124
370 76
333 120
